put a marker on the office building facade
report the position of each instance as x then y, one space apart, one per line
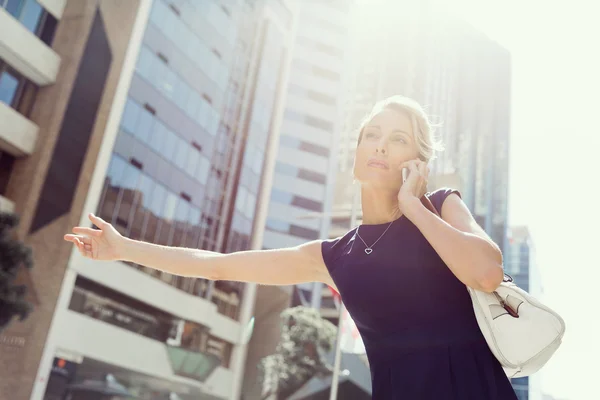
186 101
520 263
304 170
60 67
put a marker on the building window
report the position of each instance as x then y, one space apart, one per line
312 95
291 229
309 120
319 72
312 176
176 29
277 225
279 196
9 85
219 348
6 164
325 73
145 209
321 47
33 16
308 204
294 143
196 105
16 91
104 304
300 173
305 233
226 295
141 123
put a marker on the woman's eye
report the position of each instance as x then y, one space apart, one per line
400 139
371 135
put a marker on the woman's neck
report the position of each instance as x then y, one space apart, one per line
379 206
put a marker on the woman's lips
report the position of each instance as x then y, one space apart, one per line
378 164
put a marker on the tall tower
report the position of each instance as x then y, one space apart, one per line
156 115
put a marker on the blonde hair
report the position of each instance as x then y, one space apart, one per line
423 128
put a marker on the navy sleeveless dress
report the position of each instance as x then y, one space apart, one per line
414 315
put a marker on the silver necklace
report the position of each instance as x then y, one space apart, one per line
369 249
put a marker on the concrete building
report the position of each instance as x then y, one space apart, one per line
61 67
158 116
520 263
305 166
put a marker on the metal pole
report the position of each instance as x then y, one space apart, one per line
338 357
335 378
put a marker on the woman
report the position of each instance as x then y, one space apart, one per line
402 273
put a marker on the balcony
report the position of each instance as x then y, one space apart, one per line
17 134
25 52
141 286
129 351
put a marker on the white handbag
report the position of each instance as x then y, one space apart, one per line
521 332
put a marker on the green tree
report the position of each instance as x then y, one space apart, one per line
13 255
306 338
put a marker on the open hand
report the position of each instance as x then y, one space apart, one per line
416 184
97 244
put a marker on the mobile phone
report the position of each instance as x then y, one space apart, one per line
404 174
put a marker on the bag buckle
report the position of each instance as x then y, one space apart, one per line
511 311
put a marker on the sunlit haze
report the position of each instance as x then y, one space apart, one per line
554 139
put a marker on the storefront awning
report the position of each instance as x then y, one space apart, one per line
192 364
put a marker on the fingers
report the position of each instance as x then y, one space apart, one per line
424 180
416 167
412 164
87 231
76 240
99 222
83 244
422 169
418 175
73 238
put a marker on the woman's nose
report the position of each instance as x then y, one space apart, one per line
381 147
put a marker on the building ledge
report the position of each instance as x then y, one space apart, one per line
54 7
82 336
17 134
141 286
6 205
25 52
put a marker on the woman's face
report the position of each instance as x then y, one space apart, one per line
387 142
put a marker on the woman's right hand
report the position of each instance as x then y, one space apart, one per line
97 244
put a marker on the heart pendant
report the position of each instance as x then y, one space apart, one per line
368 250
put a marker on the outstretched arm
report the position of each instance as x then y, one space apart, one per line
285 266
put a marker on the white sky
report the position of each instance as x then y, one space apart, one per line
554 168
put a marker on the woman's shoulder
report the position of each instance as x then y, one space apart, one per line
334 248
443 192
438 196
